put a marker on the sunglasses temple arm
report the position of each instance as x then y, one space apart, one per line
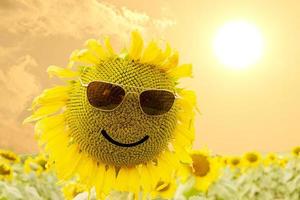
84 85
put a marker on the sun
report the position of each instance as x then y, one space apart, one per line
238 44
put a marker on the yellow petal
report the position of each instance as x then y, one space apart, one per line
171 62
50 135
108 46
145 176
71 58
184 172
164 170
183 139
152 54
122 179
84 169
57 146
181 71
133 181
85 56
167 51
186 130
169 159
67 167
52 95
95 47
136 45
100 180
61 72
46 125
44 111
187 99
154 174
90 181
110 179
181 151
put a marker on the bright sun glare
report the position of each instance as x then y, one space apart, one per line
238 44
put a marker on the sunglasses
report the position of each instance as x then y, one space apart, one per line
108 96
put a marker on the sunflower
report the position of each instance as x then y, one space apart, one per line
205 169
223 160
9 156
234 162
283 161
37 164
251 159
103 148
296 151
6 172
271 159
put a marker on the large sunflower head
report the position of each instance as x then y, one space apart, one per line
126 131
120 115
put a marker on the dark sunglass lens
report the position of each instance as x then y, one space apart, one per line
105 96
156 102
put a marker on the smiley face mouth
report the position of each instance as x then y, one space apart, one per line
106 136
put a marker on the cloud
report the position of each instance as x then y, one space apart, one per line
17 86
74 18
37 33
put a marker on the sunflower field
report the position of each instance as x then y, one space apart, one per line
210 177
122 127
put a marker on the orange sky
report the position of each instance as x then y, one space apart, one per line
253 109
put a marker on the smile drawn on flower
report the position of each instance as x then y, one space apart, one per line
105 134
